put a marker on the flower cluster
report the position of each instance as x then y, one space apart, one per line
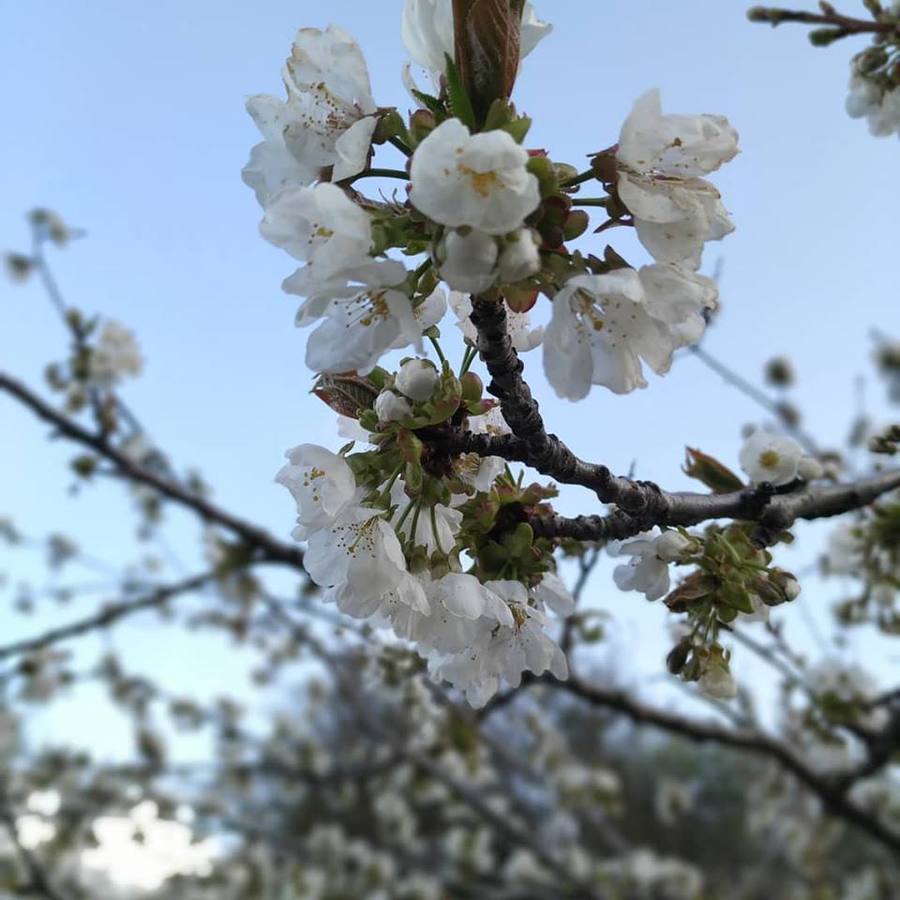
386 539
440 547
875 90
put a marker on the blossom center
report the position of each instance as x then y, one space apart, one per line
483 183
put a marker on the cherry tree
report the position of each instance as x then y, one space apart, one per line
454 736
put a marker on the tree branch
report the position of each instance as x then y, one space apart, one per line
269 549
107 616
640 504
831 791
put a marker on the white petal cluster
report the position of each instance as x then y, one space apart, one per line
474 261
326 121
476 635
648 570
501 652
362 300
115 356
869 100
480 181
661 159
771 457
604 326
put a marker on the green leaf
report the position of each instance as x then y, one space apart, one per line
458 98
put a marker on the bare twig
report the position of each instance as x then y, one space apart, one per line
268 548
107 616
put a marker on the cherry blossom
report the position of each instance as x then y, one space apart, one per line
478 180
115 356
322 484
603 326
770 457
660 158
327 120
648 571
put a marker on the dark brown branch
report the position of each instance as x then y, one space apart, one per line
829 17
831 790
639 504
268 548
107 616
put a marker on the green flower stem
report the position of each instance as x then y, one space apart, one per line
437 347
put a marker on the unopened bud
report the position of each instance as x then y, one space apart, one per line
472 388
18 266
780 372
391 408
577 222
421 124
417 379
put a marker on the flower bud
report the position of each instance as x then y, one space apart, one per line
520 257
18 266
810 469
417 379
391 408
469 261
786 583
472 388
780 372
576 224
421 124
671 545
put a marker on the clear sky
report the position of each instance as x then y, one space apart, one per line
127 118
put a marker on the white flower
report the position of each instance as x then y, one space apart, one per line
659 160
502 654
718 683
322 484
468 261
870 100
846 548
320 225
417 379
604 325
366 313
491 422
391 408
115 356
671 545
327 120
427 32
359 555
477 180
518 326
552 591
648 571
359 329
350 429
428 312
770 457
460 607
479 471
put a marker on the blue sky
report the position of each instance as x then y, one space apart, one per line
128 119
